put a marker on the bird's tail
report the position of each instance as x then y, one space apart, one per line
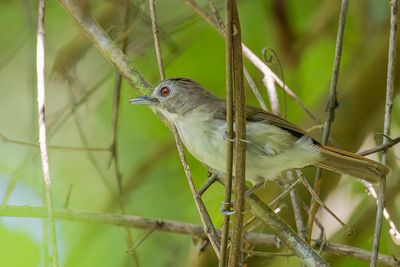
348 163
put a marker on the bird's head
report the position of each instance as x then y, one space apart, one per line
175 96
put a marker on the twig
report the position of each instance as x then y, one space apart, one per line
66 148
40 54
361 254
204 216
386 126
141 240
264 213
384 146
156 38
254 89
284 193
256 61
269 84
294 197
217 16
235 254
394 233
330 109
178 228
316 198
229 77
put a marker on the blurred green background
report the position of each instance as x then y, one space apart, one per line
302 33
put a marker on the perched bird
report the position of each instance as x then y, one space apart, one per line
273 144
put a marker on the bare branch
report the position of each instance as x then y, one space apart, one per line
386 126
204 216
330 109
153 16
235 255
264 213
40 54
229 77
178 228
384 146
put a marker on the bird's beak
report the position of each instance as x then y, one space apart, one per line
143 100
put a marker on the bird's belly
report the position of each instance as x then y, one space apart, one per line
206 142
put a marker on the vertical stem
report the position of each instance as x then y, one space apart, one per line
386 126
40 54
240 135
330 109
154 27
294 197
204 216
227 205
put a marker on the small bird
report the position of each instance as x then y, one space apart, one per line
273 144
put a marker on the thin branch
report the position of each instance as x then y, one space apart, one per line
330 109
361 254
235 254
227 205
269 83
204 216
386 126
394 232
254 89
264 213
153 16
383 146
178 228
294 197
40 54
66 148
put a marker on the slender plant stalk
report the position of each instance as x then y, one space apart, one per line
153 15
330 110
177 227
286 234
40 62
204 216
386 126
235 254
227 205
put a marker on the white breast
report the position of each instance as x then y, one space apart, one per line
270 150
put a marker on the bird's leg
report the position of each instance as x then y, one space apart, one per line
212 177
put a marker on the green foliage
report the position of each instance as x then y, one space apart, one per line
154 182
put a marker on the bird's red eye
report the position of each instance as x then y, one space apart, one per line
165 91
